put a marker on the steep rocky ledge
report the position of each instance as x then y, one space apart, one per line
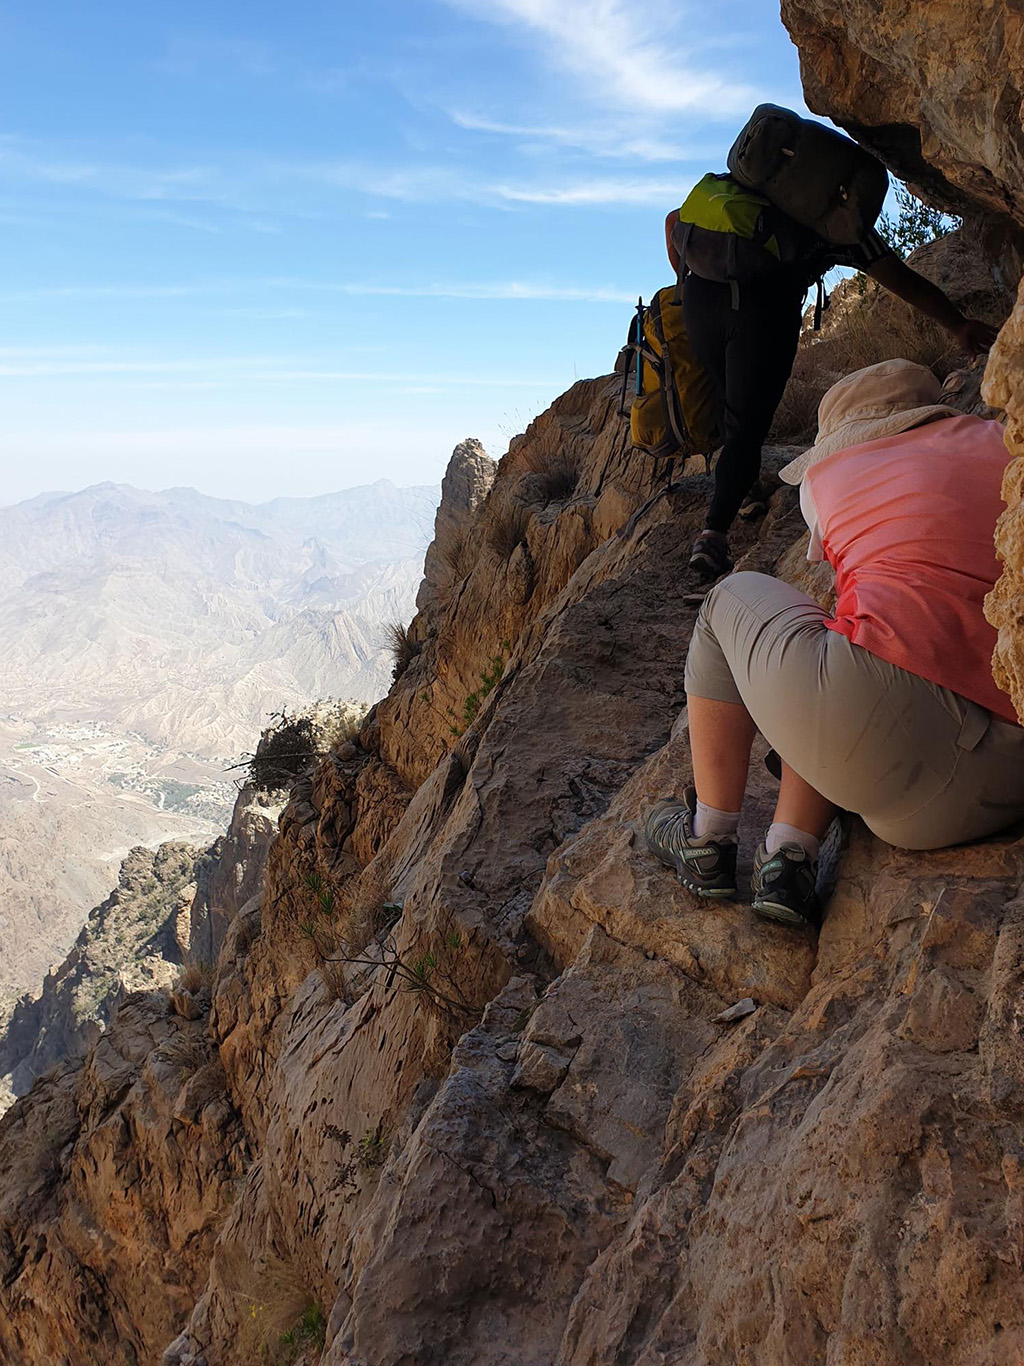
552 1112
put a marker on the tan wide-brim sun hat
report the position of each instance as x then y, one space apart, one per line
878 401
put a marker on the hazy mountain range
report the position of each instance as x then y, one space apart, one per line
146 638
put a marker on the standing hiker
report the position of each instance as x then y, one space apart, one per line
799 199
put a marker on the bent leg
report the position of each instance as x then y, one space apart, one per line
721 736
802 806
863 734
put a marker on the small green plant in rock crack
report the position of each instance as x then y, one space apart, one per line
489 680
431 975
373 1149
310 1331
916 223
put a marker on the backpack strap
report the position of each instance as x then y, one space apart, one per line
673 405
821 302
684 269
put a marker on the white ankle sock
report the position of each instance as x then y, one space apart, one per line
717 824
779 833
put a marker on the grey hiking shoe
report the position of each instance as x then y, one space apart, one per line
710 556
705 866
783 885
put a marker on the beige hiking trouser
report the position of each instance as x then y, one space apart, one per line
923 766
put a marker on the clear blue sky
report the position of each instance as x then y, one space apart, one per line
266 248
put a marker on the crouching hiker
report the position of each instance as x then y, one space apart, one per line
886 707
798 200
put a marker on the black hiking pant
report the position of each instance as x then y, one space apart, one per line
748 352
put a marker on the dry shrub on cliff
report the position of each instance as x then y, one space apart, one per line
404 648
868 326
280 1316
549 479
195 974
188 1051
294 741
507 526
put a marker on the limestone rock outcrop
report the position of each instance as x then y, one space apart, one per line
466 483
118 1170
134 940
171 907
1004 389
231 871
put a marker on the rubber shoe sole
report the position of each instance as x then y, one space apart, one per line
709 568
781 915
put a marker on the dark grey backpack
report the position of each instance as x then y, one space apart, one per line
823 180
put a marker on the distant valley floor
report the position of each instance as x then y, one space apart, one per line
74 798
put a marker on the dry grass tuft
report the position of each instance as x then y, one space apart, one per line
549 479
403 647
280 1316
334 976
195 974
456 554
507 527
370 909
188 1051
869 325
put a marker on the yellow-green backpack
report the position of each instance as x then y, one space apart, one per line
674 409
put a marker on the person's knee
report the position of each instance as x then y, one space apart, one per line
747 586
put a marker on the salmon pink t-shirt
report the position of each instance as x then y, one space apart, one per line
907 523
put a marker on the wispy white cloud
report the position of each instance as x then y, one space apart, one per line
623 54
602 140
223 371
25 160
488 290
244 191
595 193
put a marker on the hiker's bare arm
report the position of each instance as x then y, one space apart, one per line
972 334
673 255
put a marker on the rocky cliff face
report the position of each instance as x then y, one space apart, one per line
171 908
134 940
478 1084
